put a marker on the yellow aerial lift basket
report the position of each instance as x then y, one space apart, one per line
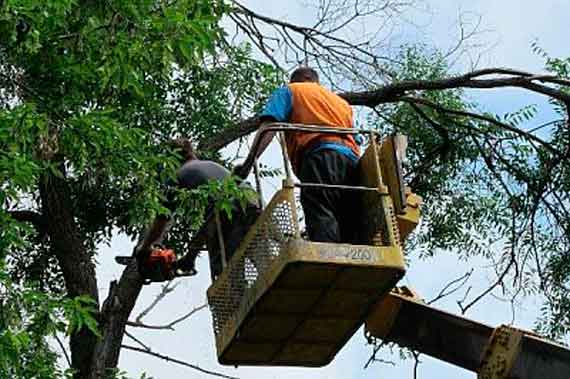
283 300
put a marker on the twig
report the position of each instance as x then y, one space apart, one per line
166 289
373 356
63 349
174 360
460 283
498 282
417 362
169 326
137 340
488 119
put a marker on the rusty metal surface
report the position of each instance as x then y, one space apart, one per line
261 246
286 301
500 353
408 221
461 341
542 359
442 335
311 303
392 173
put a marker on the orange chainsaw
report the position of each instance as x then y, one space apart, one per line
159 266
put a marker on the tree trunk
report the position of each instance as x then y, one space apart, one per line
114 316
73 258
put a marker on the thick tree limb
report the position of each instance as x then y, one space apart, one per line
391 92
399 91
32 217
115 314
241 129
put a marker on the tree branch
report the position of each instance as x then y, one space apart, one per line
62 347
391 92
446 291
166 289
398 91
174 360
142 344
114 316
169 326
477 116
32 217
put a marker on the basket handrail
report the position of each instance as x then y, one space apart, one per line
308 128
305 128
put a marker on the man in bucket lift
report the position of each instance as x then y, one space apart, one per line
192 174
315 157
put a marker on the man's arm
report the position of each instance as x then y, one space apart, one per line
278 108
243 170
153 235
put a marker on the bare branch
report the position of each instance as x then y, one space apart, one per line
62 347
398 91
178 361
137 340
417 362
373 358
488 119
391 92
457 284
166 289
33 217
498 282
169 326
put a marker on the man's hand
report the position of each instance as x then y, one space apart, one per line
141 254
242 170
261 141
141 251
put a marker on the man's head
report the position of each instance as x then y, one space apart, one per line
304 74
184 146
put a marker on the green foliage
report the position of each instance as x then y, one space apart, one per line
461 212
90 93
29 318
193 205
79 311
489 191
554 180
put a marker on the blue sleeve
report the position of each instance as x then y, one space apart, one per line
279 105
358 138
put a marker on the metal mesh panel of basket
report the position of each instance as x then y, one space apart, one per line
264 243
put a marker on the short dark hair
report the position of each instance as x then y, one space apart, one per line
184 145
304 74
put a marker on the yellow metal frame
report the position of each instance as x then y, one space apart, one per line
299 250
382 318
501 353
378 248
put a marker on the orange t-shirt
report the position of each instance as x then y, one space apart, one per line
313 104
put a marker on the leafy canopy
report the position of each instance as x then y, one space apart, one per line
90 94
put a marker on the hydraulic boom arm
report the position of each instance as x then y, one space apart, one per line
501 353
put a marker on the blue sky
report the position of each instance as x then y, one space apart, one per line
511 26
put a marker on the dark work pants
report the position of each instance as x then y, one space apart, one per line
233 232
329 213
